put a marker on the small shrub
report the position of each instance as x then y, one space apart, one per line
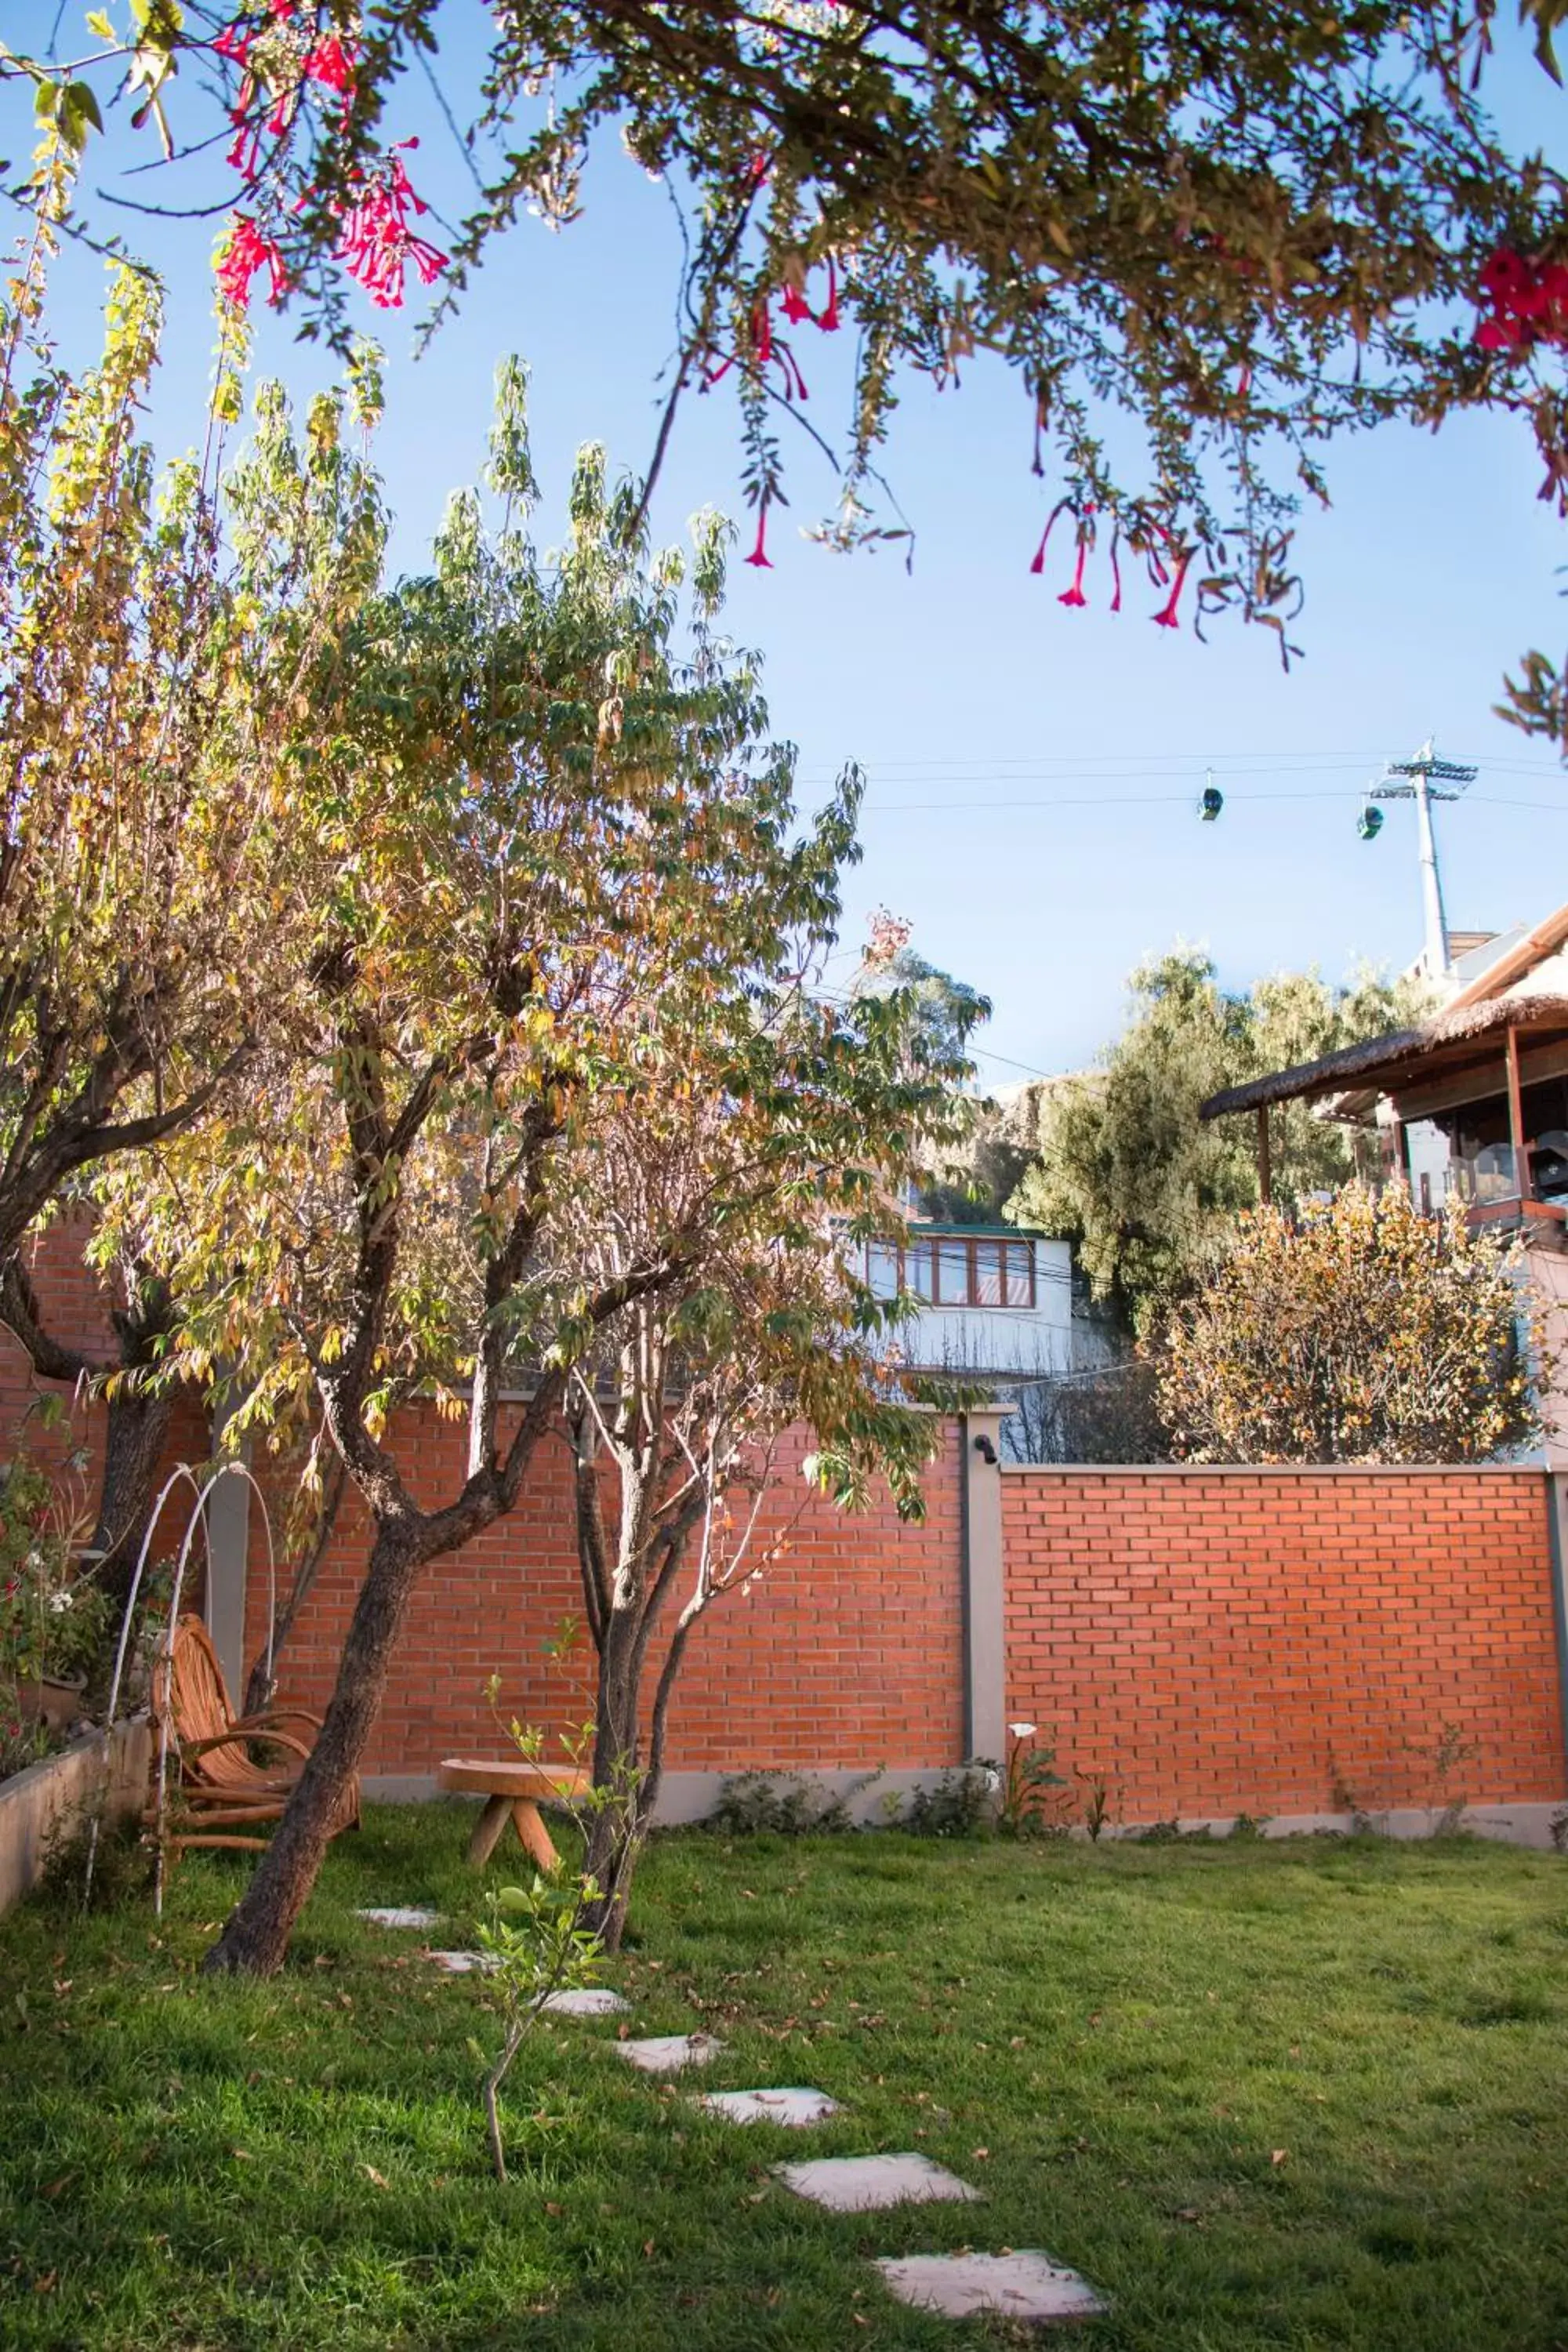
1558 1829
121 1867
787 1803
1248 1827
1171 1832
958 1804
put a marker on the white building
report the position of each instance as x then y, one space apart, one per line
992 1300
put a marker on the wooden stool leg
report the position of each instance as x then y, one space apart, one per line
533 1833
488 1829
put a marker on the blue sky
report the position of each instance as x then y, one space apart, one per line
1033 770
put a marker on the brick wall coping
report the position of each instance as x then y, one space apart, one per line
1273 1469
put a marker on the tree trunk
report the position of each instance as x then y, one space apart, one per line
138 1426
256 1936
616 1832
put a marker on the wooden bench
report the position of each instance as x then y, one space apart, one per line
514 1790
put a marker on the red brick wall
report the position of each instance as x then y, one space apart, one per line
849 1650
1239 1641
1209 1641
75 1311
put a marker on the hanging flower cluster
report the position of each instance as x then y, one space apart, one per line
1171 576
248 250
378 241
766 350
1527 299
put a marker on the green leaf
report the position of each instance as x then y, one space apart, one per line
77 112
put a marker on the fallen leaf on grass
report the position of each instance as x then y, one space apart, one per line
1279 2155
378 2179
981 2154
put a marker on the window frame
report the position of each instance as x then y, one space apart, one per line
935 1244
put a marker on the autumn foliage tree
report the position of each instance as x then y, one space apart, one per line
774 1130
1358 1330
154 717
1123 1166
1206 239
554 832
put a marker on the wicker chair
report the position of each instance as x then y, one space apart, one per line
223 1789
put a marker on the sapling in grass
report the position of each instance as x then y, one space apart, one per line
538 1945
541 1938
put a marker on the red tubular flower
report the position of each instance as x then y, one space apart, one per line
1075 596
828 318
794 383
716 375
234 42
328 62
245 155
1039 564
1116 570
762 331
249 249
1166 616
796 306
759 554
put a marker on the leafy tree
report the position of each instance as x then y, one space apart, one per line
1358 1330
154 715
559 833
1206 238
768 1135
1125 1169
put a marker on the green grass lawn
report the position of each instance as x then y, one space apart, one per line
1303 2095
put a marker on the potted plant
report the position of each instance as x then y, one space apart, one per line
52 1611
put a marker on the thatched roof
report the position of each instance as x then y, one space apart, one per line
1466 1036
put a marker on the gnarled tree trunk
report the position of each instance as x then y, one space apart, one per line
256 1934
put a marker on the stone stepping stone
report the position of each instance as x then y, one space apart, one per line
588 2000
464 1964
1026 2285
793 2107
860 2184
400 1915
666 2053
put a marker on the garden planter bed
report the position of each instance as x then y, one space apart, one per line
35 1805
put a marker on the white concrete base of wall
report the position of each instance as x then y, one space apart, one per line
689 1797
48 1799
1511 1824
